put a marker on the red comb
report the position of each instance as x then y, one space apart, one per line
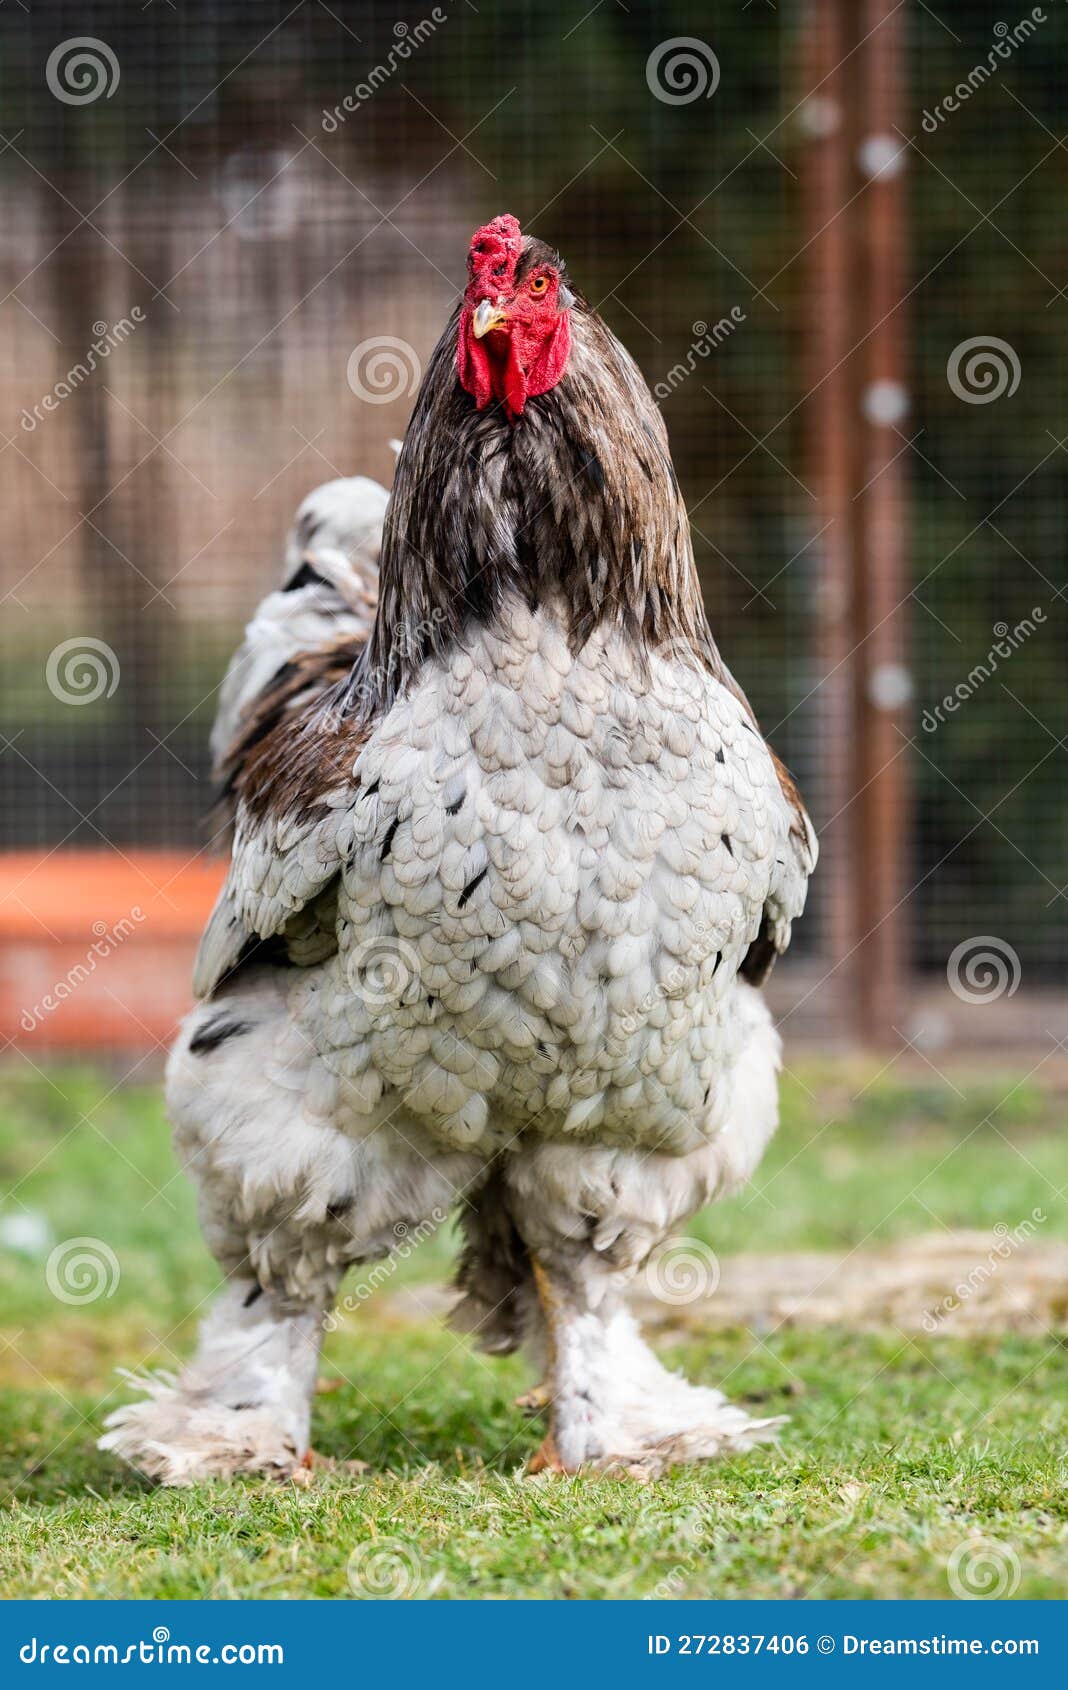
494 250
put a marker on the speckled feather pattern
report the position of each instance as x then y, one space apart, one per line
540 809
551 867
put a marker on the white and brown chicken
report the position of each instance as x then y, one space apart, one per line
510 861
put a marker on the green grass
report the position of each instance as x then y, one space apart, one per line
898 1451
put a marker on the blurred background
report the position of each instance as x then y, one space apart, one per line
829 235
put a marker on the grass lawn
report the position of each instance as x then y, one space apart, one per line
901 1453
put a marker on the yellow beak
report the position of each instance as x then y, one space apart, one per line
487 316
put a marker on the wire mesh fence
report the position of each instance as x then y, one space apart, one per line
212 208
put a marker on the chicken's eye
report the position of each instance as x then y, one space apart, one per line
539 284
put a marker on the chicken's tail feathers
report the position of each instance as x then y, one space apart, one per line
224 943
336 538
328 593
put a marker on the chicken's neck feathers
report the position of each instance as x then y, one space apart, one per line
576 504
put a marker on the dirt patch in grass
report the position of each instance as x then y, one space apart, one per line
956 1284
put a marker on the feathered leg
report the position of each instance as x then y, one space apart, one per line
242 1405
287 1202
591 1218
612 1405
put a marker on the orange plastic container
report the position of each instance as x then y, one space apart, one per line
96 947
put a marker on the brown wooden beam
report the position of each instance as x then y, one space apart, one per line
856 226
831 436
882 818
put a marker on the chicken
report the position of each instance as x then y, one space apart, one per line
505 882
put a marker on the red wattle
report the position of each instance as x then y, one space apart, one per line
473 364
548 366
486 376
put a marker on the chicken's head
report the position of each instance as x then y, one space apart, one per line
515 327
